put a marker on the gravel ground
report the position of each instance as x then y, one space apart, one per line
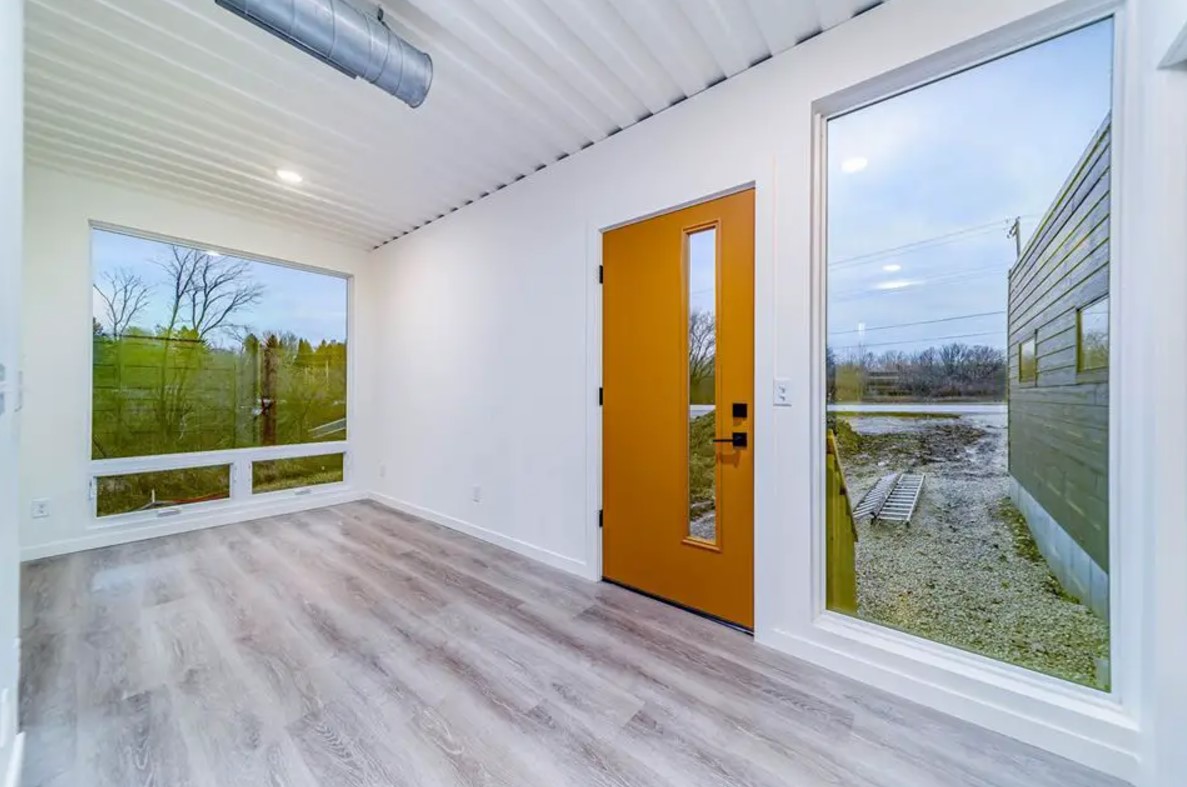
965 571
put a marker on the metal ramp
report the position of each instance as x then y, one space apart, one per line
873 499
901 502
892 499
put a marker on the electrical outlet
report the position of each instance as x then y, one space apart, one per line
476 494
40 508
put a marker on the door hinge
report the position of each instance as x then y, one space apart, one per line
600 396
599 517
601 274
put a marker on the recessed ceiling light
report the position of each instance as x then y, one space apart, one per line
893 267
854 164
289 176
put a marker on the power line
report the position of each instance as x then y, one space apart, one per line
920 322
935 240
916 341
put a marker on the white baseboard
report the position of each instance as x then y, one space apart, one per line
13 777
1108 744
99 537
545 556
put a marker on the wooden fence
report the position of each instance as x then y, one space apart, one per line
841 545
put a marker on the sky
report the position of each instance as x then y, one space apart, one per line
702 271
922 189
310 305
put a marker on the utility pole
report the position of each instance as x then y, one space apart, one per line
1016 233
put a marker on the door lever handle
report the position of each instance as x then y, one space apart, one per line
737 440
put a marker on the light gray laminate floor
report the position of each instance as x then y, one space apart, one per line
354 646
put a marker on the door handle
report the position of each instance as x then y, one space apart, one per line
737 440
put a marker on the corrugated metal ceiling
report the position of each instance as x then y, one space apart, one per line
183 97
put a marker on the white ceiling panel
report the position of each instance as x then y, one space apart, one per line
182 96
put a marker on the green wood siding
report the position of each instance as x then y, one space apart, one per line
1059 422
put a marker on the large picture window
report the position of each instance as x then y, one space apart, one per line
967 472
197 351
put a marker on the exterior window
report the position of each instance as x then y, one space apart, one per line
1092 339
962 501
163 489
1028 366
203 352
274 475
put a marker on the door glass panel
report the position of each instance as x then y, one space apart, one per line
968 267
702 385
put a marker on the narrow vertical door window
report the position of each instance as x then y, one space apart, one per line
702 384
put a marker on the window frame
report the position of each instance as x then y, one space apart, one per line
1080 367
944 665
1033 378
239 459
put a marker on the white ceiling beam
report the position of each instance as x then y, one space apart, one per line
115 42
623 52
503 55
732 46
561 50
784 22
147 153
833 12
125 177
672 41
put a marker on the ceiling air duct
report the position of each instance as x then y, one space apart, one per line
358 43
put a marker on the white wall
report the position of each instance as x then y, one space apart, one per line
490 357
11 164
55 440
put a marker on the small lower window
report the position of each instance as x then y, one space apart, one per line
1028 366
1092 338
275 475
124 494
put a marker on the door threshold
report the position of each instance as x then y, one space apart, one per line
678 605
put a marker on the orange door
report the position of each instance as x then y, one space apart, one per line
678 407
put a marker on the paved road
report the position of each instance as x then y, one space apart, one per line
937 408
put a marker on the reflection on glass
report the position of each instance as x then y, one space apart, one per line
967 292
702 384
1028 367
122 494
274 475
1094 336
195 350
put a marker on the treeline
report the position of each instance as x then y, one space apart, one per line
945 372
157 394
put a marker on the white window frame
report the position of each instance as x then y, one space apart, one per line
941 671
239 459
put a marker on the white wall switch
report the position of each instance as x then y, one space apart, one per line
40 508
476 494
782 392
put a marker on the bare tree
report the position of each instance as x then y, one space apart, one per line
125 296
702 346
206 291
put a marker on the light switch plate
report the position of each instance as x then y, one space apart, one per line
782 392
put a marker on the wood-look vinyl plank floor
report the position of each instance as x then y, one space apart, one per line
353 646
